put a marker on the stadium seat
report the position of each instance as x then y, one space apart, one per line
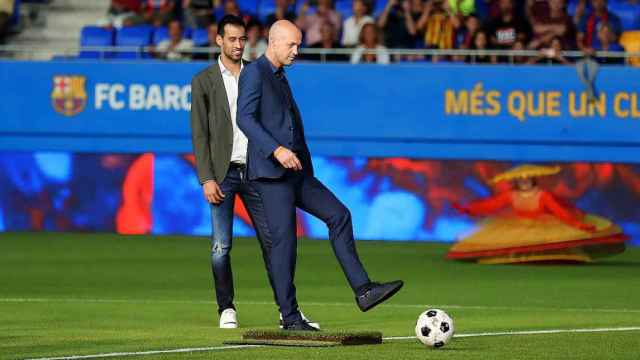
629 14
345 8
248 6
630 40
133 36
162 33
265 8
15 17
95 36
200 37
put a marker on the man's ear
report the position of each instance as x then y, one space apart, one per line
219 40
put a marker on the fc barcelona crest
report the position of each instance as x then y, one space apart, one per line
69 96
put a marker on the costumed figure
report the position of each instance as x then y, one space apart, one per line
529 224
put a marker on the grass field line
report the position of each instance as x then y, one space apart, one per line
231 347
321 304
151 352
530 332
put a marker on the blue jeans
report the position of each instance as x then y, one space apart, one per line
222 233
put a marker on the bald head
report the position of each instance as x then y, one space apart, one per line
284 41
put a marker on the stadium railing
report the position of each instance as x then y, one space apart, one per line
110 53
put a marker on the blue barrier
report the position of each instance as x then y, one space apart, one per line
528 113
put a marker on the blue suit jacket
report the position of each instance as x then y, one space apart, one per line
262 117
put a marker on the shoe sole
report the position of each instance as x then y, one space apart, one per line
229 326
384 297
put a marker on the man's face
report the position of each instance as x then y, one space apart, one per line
175 31
233 41
359 8
326 31
506 6
286 47
599 5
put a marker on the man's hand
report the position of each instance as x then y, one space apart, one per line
212 192
287 158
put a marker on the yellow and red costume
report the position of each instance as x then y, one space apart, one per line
534 226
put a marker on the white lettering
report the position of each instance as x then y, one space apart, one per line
101 94
154 98
136 97
114 103
171 97
185 98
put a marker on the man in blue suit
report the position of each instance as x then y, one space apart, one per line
279 166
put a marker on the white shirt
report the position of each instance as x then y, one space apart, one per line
181 51
382 55
240 142
351 30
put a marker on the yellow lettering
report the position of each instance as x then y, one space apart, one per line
635 112
476 99
599 105
553 103
617 106
493 99
456 104
532 109
573 110
516 104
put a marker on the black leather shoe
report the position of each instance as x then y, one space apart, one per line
299 325
377 293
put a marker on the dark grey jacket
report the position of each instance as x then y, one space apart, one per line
211 127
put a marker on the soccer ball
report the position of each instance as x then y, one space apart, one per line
434 328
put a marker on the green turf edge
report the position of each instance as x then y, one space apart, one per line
284 342
343 337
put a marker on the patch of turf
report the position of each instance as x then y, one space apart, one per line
340 337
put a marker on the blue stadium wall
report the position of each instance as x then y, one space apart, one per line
106 146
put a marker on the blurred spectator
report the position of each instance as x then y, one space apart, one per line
125 13
518 59
352 26
283 12
608 42
505 29
369 40
198 13
175 47
158 12
464 35
212 32
398 25
588 26
231 7
439 30
480 41
551 55
311 24
552 21
328 41
255 45
6 11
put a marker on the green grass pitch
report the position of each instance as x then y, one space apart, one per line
81 294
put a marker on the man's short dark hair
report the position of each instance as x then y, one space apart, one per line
230 20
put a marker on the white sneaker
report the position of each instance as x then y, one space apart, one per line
228 319
311 323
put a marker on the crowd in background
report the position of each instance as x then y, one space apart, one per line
543 25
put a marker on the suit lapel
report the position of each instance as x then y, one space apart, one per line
219 84
275 82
